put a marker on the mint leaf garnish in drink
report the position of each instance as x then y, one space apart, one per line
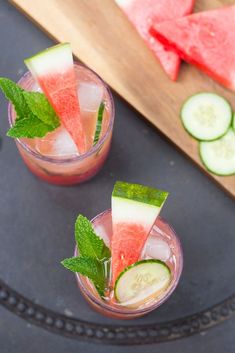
93 261
41 108
35 116
14 94
89 267
89 244
99 123
29 128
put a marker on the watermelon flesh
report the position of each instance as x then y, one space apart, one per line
134 212
143 13
204 39
54 71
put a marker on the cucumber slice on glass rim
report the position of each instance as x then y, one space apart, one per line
219 156
206 116
99 123
234 121
141 282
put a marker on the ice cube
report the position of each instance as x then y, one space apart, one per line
57 144
64 144
157 248
90 96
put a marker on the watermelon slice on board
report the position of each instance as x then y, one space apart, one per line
54 71
205 39
134 212
143 13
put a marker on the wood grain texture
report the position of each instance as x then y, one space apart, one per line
102 38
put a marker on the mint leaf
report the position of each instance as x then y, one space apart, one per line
99 123
30 128
89 267
89 244
41 108
35 116
93 261
14 94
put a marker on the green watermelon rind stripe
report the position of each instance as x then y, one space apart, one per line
44 52
140 193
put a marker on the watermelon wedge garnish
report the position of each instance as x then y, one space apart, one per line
143 13
54 71
134 211
205 39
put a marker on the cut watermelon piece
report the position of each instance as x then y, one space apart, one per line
134 211
205 39
143 13
54 71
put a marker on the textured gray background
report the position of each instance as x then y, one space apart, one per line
37 222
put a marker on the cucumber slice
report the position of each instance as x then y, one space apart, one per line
141 282
219 156
234 121
99 123
206 116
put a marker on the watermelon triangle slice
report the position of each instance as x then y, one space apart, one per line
143 13
134 211
54 71
205 39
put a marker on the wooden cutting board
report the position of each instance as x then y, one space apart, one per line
102 38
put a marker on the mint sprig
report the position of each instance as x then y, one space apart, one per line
35 116
94 255
89 267
14 93
29 128
89 244
41 108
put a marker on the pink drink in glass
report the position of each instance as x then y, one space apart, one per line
162 244
55 158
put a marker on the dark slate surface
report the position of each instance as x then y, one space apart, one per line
18 336
37 222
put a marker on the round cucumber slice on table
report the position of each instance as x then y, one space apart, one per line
219 156
141 282
206 116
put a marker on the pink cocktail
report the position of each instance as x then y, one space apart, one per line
55 157
162 244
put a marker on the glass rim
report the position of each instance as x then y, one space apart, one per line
123 310
81 157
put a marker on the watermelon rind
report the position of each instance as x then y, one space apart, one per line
139 193
44 61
